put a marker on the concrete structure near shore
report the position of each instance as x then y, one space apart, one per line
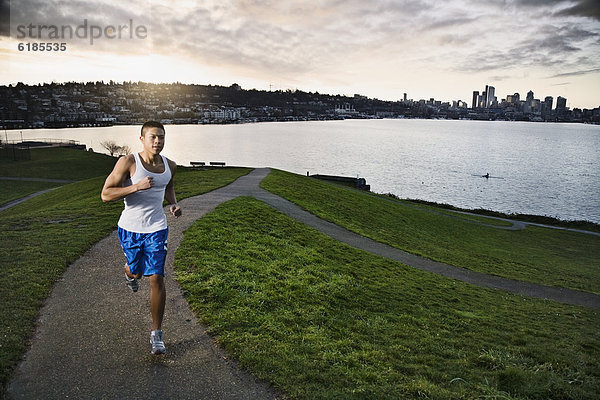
358 183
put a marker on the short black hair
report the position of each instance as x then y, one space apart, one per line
152 124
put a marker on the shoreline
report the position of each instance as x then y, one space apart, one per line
532 219
572 203
282 119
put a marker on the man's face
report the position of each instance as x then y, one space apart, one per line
153 140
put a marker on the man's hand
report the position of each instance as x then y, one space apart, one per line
145 183
175 210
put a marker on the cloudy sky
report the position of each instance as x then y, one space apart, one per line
378 48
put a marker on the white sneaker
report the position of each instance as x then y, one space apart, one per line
132 283
156 340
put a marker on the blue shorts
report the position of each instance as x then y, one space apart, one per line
145 252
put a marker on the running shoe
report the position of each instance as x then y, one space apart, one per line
156 340
132 283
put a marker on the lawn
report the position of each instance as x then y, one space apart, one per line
38 243
50 163
59 163
322 320
540 255
12 190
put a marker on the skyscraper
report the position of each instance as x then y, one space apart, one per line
561 105
547 106
475 102
528 106
490 96
529 98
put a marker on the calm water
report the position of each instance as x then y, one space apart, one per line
535 168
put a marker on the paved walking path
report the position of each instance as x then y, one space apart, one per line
25 179
13 203
92 339
31 196
515 225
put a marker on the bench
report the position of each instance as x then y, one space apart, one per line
197 163
217 163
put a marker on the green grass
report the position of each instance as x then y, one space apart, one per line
13 190
191 182
318 318
38 244
540 255
59 163
322 320
536 219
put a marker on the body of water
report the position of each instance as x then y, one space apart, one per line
535 168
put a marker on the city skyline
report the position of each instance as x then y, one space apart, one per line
130 103
379 49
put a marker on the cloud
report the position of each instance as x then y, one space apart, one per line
540 3
348 42
584 8
499 78
576 73
444 23
288 37
4 18
551 47
45 15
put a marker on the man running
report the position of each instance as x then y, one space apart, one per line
144 180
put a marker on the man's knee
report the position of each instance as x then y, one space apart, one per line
157 280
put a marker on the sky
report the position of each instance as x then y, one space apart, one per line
378 48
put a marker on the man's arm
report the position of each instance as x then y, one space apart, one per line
113 189
170 191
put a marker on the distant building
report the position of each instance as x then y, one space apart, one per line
528 106
490 97
529 97
475 101
513 99
547 106
224 114
561 105
345 109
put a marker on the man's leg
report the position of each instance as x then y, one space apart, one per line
158 296
130 275
132 249
156 254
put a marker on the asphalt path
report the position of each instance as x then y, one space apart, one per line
31 196
92 338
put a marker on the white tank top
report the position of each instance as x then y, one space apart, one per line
143 211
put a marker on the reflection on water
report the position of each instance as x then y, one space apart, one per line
535 168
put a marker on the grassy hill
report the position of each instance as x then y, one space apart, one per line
540 255
59 163
50 163
320 319
42 236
